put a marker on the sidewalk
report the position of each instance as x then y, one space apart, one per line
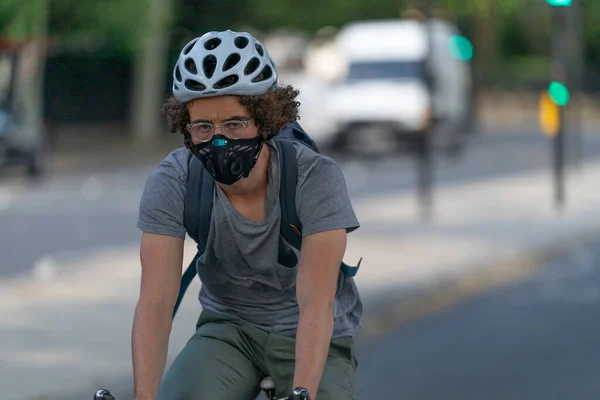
111 145
71 333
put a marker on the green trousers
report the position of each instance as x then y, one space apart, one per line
226 360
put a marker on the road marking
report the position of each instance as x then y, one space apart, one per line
356 175
44 269
92 188
6 199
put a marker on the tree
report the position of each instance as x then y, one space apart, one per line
137 28
151 67
25 24
140 30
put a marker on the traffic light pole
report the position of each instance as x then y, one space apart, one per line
577 66
425 145
559 74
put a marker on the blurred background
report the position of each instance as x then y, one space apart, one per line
467 131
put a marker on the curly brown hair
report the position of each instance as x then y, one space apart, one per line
270 111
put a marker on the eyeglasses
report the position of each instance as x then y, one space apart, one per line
204 131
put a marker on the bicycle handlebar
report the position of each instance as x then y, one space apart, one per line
103 394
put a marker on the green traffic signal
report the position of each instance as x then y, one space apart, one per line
461 47
559 3
558 93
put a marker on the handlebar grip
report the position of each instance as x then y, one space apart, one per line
103 394
300 394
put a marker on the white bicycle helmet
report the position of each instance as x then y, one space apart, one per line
223 63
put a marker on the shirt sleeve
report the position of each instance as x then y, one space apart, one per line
322 197
162 202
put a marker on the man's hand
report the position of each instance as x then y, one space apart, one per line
316 284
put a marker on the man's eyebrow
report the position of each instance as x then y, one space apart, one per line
231 118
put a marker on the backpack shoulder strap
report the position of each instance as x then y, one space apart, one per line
198 203
291 228
192 198
196 218
297 133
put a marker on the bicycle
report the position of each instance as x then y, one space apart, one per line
266 385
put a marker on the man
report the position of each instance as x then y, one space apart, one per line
260 317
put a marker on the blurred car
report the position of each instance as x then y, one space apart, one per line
382 99
19 144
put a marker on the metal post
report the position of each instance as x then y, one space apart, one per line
576 26
559 164
425 147
559 74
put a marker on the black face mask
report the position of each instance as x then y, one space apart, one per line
227 160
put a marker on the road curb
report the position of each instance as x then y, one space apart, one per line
397 308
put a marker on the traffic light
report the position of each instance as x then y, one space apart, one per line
559 93
551 101
461 47
549 115
560 3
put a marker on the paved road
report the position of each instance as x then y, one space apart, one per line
82 212
538 339
534 339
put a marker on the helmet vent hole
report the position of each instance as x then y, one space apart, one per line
190 65
209 64
252 66
260 50
178 74
212 44
176 87
241 42
189 47
194 85
231 61
265 74
226 82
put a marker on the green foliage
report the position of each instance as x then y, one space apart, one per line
119 24
591 18
478 8
311 15
22 19
114 23
511 38
207 15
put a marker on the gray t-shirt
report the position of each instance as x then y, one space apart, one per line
240 273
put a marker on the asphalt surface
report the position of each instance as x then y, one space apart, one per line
536 339
70 215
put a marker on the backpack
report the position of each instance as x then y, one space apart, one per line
199 201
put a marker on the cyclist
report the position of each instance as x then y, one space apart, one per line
259 316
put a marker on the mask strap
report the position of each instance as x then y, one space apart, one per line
189 143
262 143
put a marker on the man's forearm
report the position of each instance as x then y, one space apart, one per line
150 341
313 339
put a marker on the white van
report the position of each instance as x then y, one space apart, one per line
382 97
